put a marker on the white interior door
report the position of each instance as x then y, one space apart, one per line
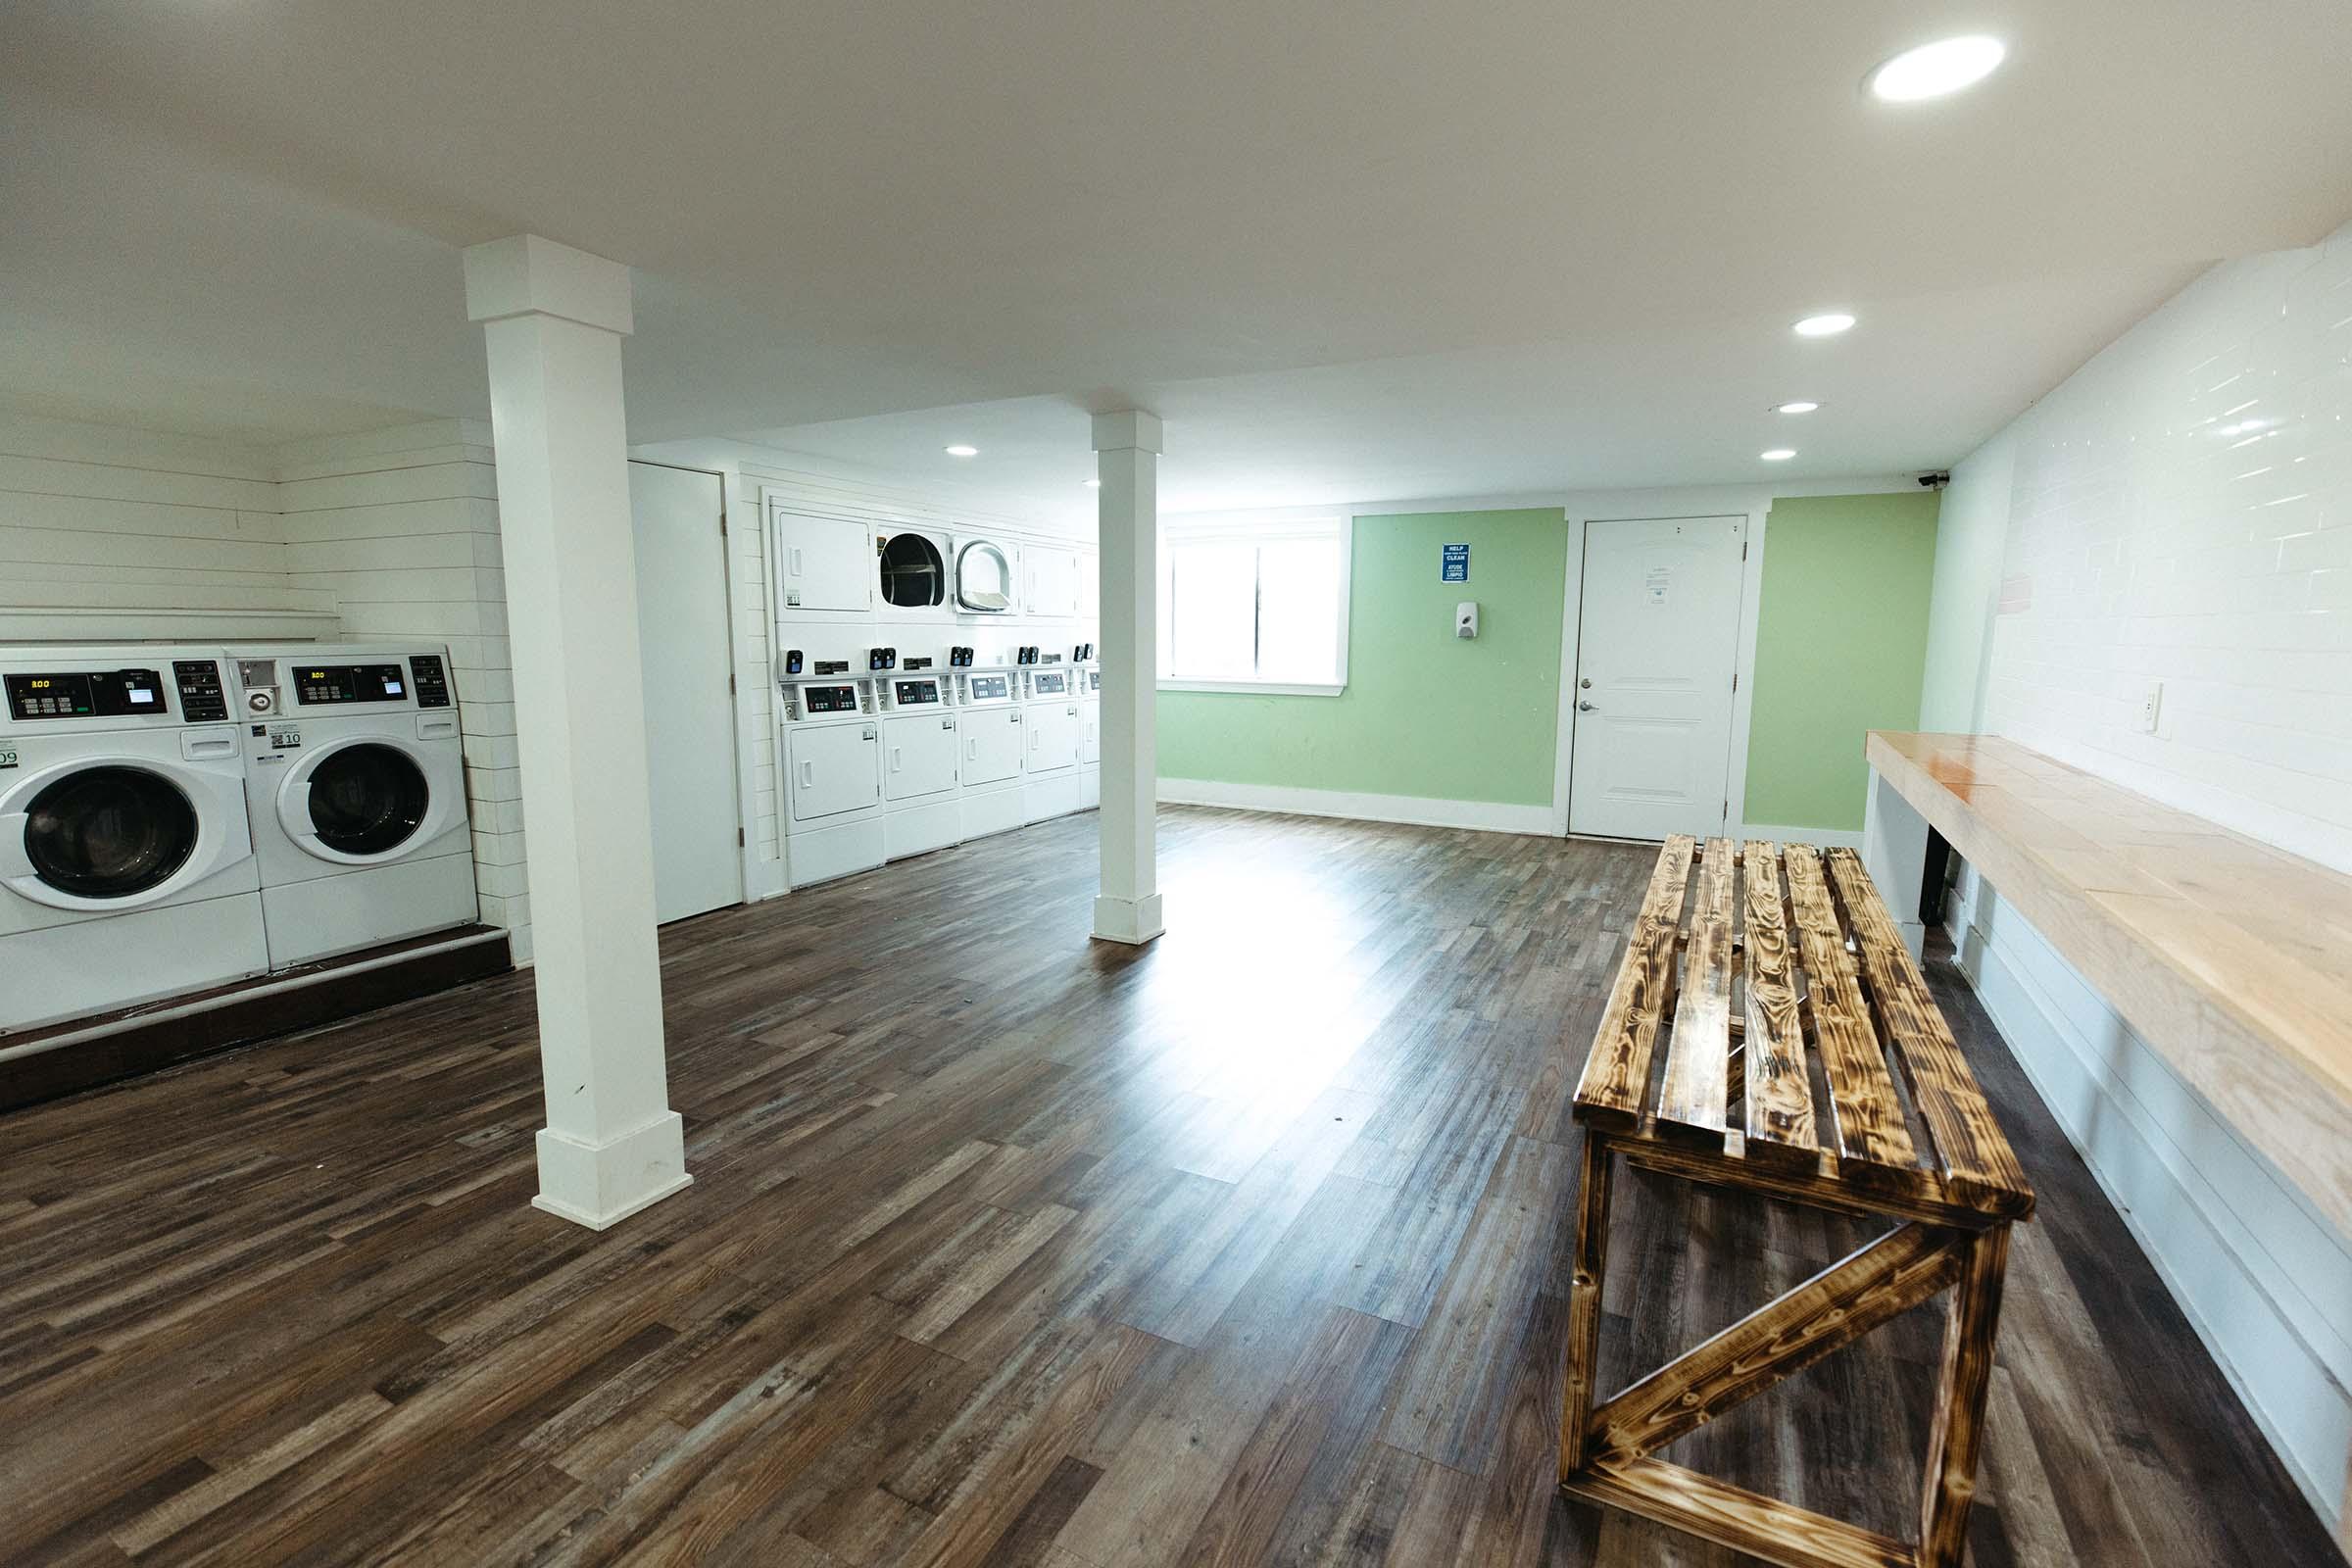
685 641
1657 643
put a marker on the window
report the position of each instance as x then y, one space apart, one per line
1254 606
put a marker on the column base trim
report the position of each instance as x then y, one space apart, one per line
600 1185
1133 922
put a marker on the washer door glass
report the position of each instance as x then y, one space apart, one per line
367 799
983 578
912 572
110 832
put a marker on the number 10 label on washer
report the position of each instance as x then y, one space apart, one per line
1453 564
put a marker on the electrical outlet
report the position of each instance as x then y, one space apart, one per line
2152 706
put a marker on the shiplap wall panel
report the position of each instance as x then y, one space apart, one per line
401 528
125 535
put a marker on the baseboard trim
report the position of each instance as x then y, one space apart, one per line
1484 817
2033 1023
1821 838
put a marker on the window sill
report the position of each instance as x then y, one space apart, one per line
1261 688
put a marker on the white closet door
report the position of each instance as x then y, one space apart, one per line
685 645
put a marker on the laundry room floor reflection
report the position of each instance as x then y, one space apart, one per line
1006 1247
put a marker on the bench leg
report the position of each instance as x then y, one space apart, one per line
1590 1262
1957 1436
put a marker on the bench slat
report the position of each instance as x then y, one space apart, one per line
1980 1167
1866 1118
1617 1072
1779 1094
1692 1099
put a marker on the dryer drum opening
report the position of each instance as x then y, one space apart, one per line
367 799
109 832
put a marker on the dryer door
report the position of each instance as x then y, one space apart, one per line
107 834
983 578
1053 741
918 756
832 771
361 801
992 744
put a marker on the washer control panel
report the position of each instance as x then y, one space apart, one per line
433 680
915 693
1050 683
91 694
316 685
987 688
841 698
203 700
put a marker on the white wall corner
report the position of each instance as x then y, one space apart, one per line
526 275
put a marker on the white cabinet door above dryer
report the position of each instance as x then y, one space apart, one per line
918 756
823 562
992 744
1053 736
1051 587
834 768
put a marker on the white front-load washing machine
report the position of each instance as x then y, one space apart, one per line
830 740
356 786
1051 715
1090 735
126 868
988 720
919 763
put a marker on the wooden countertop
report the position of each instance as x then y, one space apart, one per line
2232 959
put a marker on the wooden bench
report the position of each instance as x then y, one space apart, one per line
1753 972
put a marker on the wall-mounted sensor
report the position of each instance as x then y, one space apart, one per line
1465 618
792 661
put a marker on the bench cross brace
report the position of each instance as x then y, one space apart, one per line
1608 1446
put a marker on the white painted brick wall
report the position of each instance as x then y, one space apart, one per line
2181 511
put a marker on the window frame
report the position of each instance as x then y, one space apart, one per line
1172 531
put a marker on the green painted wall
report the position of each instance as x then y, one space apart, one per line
1841 644
1486 708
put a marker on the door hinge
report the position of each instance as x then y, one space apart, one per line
1742 549
731 683
1727 810
1734 680
739 838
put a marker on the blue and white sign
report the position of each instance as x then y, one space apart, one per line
1453 564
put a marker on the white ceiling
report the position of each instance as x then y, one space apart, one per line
1349 251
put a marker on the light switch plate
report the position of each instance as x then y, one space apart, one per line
2151 707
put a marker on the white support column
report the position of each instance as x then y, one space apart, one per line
1127 448
553 318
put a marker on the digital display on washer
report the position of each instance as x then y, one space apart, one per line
829 699
1050 685
98 694
988 686
316 684
916 693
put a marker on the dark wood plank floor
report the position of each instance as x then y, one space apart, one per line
1004 1248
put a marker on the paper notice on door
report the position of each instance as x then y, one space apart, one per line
1660 578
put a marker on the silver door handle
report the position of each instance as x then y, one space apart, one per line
1584 707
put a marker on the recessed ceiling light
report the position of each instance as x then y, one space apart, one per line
1778 454
1800 405
961 450
1827 325
1934 68
1094 484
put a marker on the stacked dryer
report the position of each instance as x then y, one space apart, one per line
127 869
356 789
